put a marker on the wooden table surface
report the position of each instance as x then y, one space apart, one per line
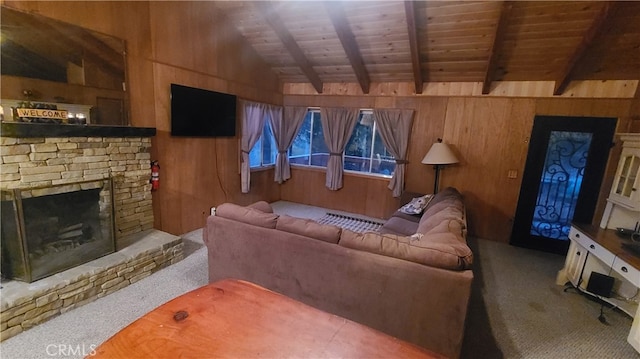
237 319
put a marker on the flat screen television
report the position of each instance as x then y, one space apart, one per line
202 113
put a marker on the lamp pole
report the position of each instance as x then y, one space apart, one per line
437 180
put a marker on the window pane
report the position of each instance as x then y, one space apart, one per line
319 150
300 150
255 154
358 150
269 148
383 162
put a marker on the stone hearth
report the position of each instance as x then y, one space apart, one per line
25 305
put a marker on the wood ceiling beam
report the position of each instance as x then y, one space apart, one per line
496 47
597 27
412 31
348 40
290 43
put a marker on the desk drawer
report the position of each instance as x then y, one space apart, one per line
627 271
589 244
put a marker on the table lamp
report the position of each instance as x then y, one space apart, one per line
439 155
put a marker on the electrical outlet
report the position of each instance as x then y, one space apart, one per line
213 211
512 174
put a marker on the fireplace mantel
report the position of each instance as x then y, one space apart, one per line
26 130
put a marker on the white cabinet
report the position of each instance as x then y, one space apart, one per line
600 250
628 272
623 203
626 189
576 256
597 250
606 257
634 334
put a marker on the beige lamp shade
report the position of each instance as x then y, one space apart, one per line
439 154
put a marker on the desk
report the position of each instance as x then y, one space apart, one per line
237 319
594 249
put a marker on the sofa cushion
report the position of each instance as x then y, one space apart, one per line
448 193
399 225
409 217
262 206
309 228
442 205
247 215
428 222
442 250
454 226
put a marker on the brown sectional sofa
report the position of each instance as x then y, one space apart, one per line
412 280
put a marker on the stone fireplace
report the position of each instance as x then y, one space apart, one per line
71 195
43 158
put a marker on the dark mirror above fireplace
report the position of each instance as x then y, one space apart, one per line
49 61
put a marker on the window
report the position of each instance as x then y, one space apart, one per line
365 151
265 150
308 147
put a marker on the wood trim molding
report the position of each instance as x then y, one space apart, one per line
290 43
348 40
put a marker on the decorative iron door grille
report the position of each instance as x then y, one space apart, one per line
560 184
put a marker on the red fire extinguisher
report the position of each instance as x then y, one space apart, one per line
155 176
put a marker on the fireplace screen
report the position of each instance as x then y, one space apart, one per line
48 230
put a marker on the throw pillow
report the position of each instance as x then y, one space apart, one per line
247 215
261 206
417 205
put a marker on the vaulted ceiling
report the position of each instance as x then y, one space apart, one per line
362 42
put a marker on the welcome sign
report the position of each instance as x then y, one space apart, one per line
42 113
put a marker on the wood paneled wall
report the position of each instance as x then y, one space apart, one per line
186 43
191 46
490 135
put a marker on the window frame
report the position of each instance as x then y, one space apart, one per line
310 154
262 166
373 142
350 172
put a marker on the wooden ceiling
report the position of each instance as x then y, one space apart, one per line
362 42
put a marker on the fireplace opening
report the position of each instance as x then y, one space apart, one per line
48 230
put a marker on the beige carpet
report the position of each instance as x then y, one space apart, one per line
517 310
